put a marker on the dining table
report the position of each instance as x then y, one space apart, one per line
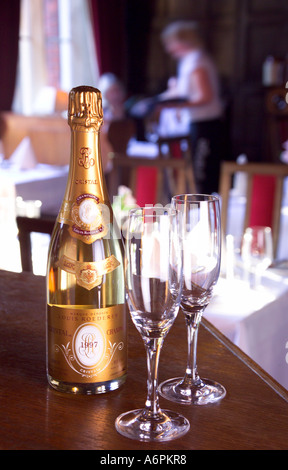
252 416
255 318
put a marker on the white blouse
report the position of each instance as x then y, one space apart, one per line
186 66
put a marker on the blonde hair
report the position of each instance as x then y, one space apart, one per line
184 31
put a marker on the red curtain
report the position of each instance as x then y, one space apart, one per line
9 38
109 28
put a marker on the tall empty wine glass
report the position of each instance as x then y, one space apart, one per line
201 266
153 282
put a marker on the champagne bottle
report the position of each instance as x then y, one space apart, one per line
86 316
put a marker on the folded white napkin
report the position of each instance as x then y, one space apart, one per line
23 156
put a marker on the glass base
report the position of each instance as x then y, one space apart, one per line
203 393
138 425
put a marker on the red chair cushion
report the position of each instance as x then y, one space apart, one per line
146 186
262 200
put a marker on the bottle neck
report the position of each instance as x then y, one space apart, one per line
86 173
86 207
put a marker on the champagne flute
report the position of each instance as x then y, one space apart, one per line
153 268
257 251
201 266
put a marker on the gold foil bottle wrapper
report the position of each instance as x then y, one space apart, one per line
85 108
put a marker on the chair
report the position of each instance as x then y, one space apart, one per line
179 148
126 170
264 193
120 132
134 164
27 225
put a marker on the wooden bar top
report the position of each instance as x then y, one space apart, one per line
253 415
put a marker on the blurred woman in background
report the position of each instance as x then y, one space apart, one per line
197 88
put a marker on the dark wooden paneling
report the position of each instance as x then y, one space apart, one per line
239 35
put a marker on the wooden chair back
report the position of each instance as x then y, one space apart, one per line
119 133
27 225
176 173
254 170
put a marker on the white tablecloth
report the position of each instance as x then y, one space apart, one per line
255 320
44 182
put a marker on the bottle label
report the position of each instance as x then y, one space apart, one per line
84 210
88 275
87 217
86 345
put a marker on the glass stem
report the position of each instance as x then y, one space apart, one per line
192 322
153 347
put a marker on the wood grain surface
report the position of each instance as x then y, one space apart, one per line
253 415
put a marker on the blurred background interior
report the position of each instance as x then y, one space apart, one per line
49 46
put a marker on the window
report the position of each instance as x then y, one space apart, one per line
56 52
